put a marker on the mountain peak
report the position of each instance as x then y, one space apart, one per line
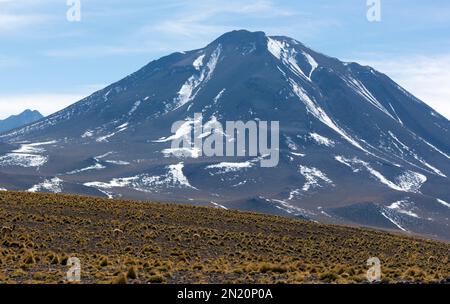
19 120
238 37
31 112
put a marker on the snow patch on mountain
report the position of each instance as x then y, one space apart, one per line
134 108
22 160
119 129
106 95
118 162
291 144
442 202
362 91
33 147
87 134
404 149
28 155
312 62
320 114
435 149
321 140
287 55
396 115
404 207
183 131
219 206
182 152
52 185
174 178
198 63
391 219
192 86
288 208
217 98
294 194
313 177
97 166
298 154
409 181
432 168
227 167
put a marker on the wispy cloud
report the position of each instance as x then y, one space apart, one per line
9 61
18 14
12 22
104 50
204 17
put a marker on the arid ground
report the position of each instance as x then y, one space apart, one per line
141 242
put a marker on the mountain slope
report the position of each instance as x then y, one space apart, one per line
355 147
16 121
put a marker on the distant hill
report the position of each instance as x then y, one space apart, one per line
144 242
17 121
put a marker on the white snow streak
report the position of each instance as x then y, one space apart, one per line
403 207
321 140
362 91
409 181
52 185
226 167
174 178
191 87
393 222
219 206
320 114
443 203
27 156
312 62
313 177
282 51
134 108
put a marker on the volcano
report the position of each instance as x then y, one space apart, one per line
355 147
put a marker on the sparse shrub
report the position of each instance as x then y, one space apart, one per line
104 262
156 279
120 279
29 258
132 273
329 277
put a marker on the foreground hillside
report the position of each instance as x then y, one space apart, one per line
135 242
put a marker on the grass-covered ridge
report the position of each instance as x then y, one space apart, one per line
137 242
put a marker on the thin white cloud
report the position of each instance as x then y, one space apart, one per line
9 61
19 14
426 77
197 19
104 50
12 22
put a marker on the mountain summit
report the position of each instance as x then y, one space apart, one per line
355 147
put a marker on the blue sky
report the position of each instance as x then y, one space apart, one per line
47 62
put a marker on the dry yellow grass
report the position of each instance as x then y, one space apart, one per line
138 242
